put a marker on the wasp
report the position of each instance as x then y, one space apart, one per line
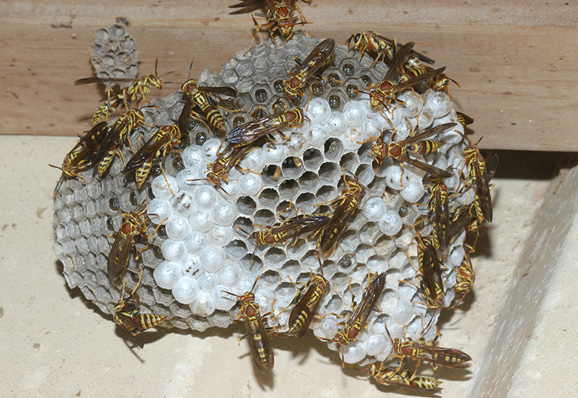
134 224
135 93
81 157
441 83
290 228
429 352
127 314
431 286
280 17
196 96
162 141
439 208
464 119
320 56
307 304
249 132
393 376
219 170
465 218
357 320
477 172
384 92
344 207
418 144
261 349
464 279
118 133
384 47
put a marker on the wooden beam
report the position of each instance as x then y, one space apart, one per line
515 61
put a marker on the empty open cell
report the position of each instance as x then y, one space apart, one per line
264 217
269 198
329 173
289 189
246 205
333 149
306 202
274 257
250 264
312 158
290 269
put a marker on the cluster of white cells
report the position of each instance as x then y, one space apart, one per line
205 249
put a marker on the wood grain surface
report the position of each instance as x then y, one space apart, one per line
516 61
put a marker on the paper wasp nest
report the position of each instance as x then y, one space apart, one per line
199 251
114 53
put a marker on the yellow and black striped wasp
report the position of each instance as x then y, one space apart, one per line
134 94
343 209
418 144
128 316
251 131
133 225
396 80
307 304
404 378
385 49
478 173
429 352
356 321
320 56
431 285
439 209
82 156
196 96
464 279
161 142
261 349
118 134
280 16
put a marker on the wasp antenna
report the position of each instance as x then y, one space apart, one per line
190 68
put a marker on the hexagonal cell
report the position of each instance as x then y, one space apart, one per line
334 304
250 264
260 93
292 167
285 289
236 249
337 99
296 250
271 174
349 161
264 217
290 269
270 278
310 260
333 149
246 205
274 257
329 173
346 263
277 86
317 89
312 158
306 202
309 181
352 88
269 198
289 189
369 233
326 193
